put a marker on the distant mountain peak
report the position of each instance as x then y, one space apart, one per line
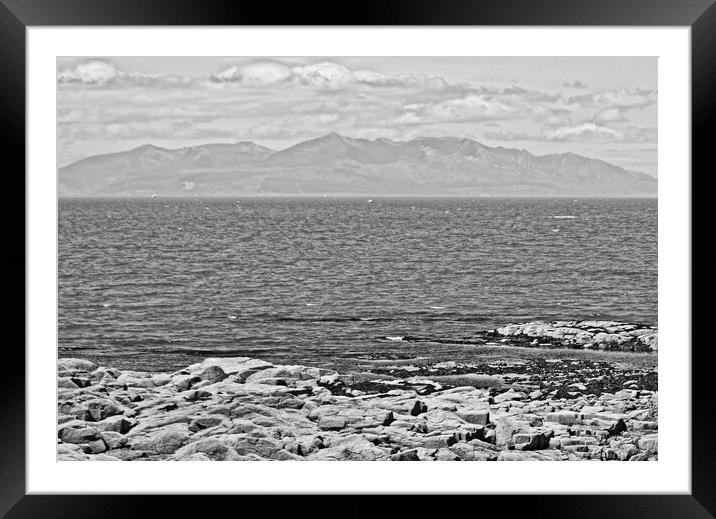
336 164
149 147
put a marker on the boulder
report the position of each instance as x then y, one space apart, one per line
230 365
79 435
212 374
649 443
617 428
213 448
408 455
508 395
331 423
70 452
475 416
205 422
530 442
114 440
562 417
66 383
350 448
418 408
116 423
162 441
76 365
94 447
101 408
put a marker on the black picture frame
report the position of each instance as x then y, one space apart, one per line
17 15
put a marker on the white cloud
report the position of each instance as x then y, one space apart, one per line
325 74
610 115
588 130
470 107
93 72
402 80
626 99
101 72
255 74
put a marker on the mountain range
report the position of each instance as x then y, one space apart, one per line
341 166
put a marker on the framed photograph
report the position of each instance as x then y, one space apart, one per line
459 234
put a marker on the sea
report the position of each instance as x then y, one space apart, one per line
155 284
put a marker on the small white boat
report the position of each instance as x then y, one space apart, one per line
370 201
154 195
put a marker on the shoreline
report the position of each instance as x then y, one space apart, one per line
481 346
230 408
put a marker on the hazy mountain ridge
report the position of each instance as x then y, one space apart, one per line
339 165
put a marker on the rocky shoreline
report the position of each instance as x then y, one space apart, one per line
249 409
588 335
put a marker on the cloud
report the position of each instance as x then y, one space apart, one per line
626 99
471 107
610 115
584 132
255 74
402 80
101 73
579 132
622 99
93 72
325 75
573 84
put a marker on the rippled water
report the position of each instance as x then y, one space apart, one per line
153 284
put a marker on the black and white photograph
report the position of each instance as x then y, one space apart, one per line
394 258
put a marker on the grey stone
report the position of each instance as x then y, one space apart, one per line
475 416
76 365
331 423
214 449
163 441
79 435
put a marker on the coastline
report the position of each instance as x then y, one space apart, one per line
238 408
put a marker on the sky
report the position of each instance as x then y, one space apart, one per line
599 107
